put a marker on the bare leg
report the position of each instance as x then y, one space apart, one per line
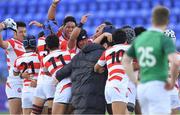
27 111
15 106
119 107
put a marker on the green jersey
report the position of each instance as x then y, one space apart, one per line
151 49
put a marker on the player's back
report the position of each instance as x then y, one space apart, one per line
113 57
55 60
30 63
149 50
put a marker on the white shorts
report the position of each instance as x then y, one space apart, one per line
154 98
13 90
175 101
132 93
27 98
116 90
45 91
63 93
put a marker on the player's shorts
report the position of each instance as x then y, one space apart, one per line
154 98
13 90
63 93
27 98
116 90
175 101
45 91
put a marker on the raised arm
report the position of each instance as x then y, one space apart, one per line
7 24
174 72
52 10
102 36
75 33
36 23
127 63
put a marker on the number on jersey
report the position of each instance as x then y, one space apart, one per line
117 56
60 57
26 65
147 59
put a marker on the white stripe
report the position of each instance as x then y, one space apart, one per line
41 42
101 63
115 67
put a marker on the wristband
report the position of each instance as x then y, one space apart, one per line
54 5
80 25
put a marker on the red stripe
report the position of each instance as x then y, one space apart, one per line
26 84
176 86
129 90
65 86
11 41
115 78
8 85
8 60
59 33
26 80
117 71
117 89
115 63
63 45
41 38
19 53
53 70
18 42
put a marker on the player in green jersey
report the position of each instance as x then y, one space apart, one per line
153 50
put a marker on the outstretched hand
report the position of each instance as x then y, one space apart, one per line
56 1
10 24
36 23
84 18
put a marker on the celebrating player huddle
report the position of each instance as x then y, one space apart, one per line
114 70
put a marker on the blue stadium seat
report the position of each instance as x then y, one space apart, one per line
92 7
123 5
176 3
139 20
83 8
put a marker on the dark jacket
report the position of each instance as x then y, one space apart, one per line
87 86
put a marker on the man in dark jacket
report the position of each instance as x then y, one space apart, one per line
87 86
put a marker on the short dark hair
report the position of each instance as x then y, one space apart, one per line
52 41
160 15
139 29
119 36
20 24
69 19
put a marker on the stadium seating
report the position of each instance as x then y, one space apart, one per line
119 12
132 12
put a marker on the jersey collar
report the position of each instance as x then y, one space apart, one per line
155 29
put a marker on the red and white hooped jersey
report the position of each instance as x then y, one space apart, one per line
112 59
42 52
55 60
28 62
15 49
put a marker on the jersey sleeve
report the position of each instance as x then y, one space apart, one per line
44 68
102 60
11 44
168 45
16 66
131 51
